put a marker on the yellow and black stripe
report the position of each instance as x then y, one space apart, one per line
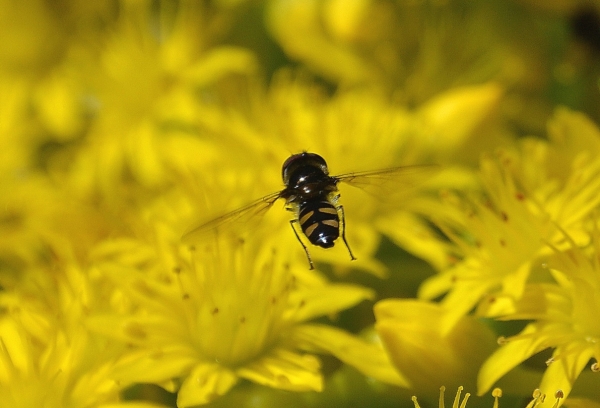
320 222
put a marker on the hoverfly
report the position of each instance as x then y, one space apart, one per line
312 194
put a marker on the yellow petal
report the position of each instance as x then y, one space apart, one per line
462 299
368 358
286 370
507 357
471 104
205 383
328 300
562 373
160 367
436 285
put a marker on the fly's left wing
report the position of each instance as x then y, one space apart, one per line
391 181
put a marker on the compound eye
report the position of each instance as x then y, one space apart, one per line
289 163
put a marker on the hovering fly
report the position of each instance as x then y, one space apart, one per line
312 195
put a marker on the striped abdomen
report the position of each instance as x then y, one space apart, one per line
320 222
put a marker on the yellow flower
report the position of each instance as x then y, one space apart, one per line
227 311
47 357
564 316
503 239
502 235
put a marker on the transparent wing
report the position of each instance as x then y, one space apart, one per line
237 218
390 181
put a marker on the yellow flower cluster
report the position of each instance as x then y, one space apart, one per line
527 249
125 124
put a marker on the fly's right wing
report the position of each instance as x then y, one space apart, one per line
234 219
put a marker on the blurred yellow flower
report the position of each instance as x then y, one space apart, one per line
414 49
36 219
411 332
143 85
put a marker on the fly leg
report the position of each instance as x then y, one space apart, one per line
340 208
294 223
